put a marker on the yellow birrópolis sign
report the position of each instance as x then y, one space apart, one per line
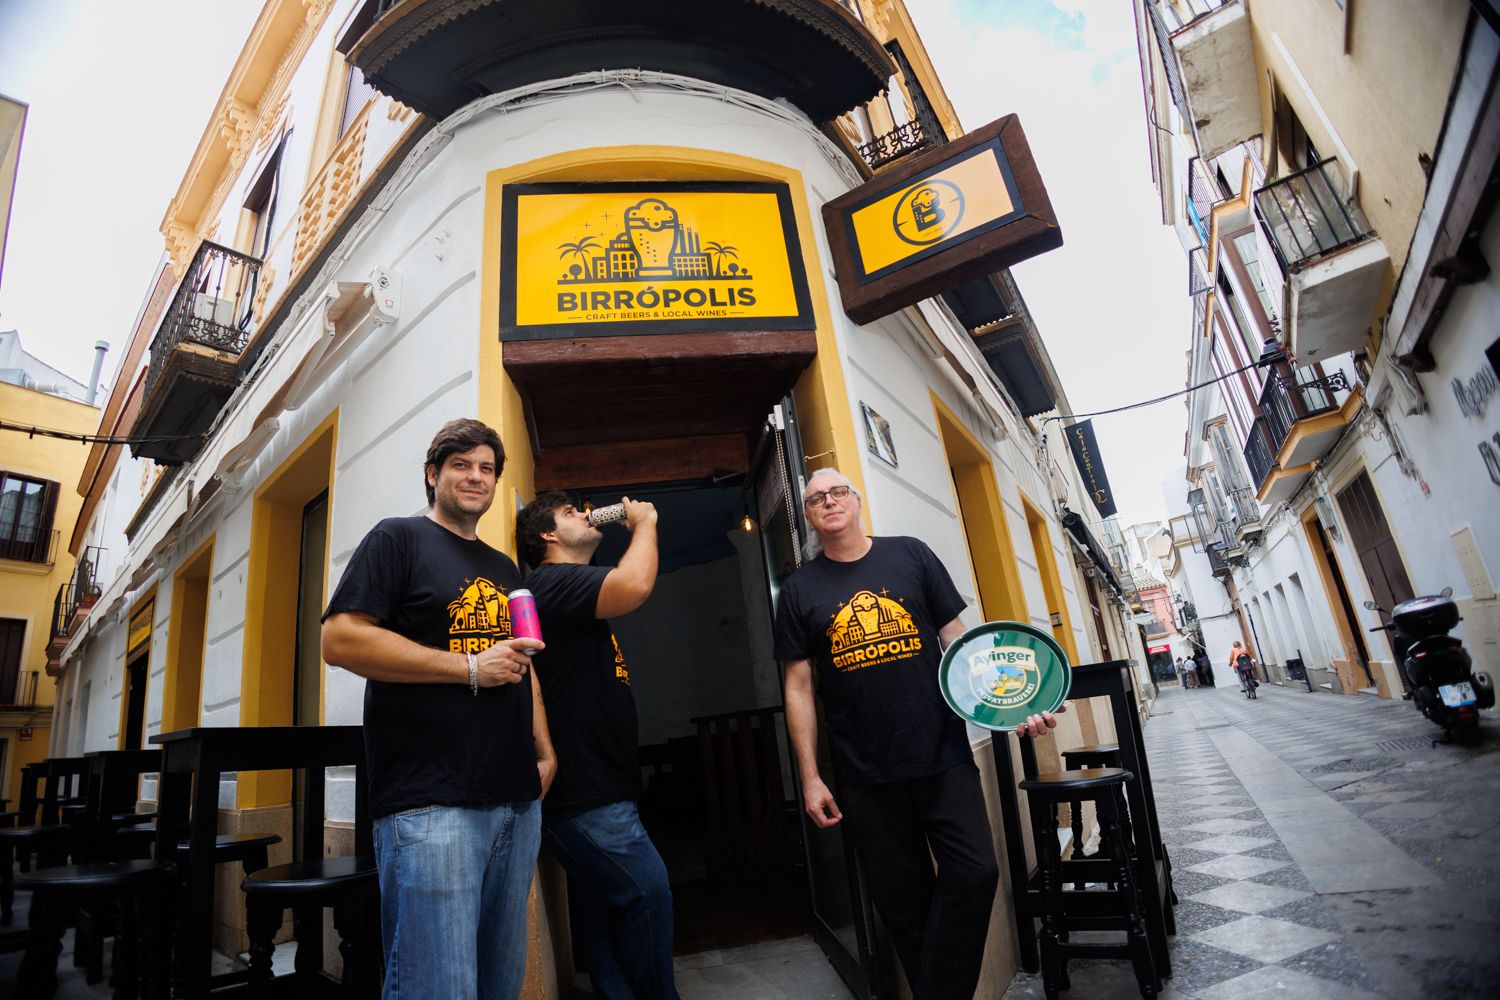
941 207
615 259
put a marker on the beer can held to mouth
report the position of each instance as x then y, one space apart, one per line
524 623
600 516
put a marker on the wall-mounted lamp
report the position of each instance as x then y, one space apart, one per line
747 523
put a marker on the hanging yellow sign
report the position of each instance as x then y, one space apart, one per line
941 207
138 635
608 259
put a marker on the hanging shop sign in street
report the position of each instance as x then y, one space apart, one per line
1090 466
138 635
938 219
998 673
591 260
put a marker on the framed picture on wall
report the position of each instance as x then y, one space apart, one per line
878 436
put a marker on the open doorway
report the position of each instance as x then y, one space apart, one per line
717 794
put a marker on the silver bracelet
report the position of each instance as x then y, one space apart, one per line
473 674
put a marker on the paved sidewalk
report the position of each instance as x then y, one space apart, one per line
1321 848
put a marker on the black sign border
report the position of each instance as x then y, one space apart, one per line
511 331
865 277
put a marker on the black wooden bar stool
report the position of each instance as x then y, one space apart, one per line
350 887
1064 911
1096 755
140 953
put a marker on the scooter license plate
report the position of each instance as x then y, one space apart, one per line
1457 695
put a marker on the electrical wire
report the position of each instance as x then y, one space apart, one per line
49 432
1158 399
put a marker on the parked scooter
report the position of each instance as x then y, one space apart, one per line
1444 684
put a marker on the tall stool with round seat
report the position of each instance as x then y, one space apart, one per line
1105 787
144 888
347 885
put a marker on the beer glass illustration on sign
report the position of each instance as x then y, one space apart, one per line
651 226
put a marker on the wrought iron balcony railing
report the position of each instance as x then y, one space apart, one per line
1246 508
1198 282
31 546
894 144
1260 454
1307 216
212 306
1178 14
81 590
1201 198
18 690
1287 398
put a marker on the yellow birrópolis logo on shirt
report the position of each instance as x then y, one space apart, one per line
1004 676
480 617
622 669
870 629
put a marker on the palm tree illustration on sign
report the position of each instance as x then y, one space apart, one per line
579 251
717 251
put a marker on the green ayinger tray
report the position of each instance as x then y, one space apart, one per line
998 673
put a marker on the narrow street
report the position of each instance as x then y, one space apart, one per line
1322 848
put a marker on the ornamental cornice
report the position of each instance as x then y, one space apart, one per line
246 119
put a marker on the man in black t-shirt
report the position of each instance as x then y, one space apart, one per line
619 890
455 736
875 614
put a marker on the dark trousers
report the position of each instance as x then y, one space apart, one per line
938 921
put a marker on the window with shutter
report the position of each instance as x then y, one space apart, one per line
12 639
27 509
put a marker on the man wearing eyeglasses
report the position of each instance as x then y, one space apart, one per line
874 614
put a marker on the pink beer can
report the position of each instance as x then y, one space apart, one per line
524 623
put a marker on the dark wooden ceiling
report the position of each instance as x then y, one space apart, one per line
439 55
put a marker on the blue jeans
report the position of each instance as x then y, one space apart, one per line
453 888
621 899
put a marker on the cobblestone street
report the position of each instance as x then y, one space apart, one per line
1321 847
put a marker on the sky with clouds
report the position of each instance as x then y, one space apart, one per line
119 94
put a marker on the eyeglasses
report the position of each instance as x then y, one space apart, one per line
819 499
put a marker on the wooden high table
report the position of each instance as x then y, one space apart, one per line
1113 679
207 753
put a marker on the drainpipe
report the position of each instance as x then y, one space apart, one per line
101 347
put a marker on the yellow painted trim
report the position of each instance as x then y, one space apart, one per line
992 554
1039 528
271 609
148 598
1330 590
822 397
182 687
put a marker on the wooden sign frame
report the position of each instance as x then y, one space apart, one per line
1030 229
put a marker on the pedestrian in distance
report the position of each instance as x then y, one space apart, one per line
1189 672
872 616
1181 674
619 888
455 733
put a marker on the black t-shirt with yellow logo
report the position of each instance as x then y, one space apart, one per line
586 690
438 744
871 628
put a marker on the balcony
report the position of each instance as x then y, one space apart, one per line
1247 522
1303 416
29 545
18 690
195 358
1273 483
72 604
1333 262
437 56
1213 81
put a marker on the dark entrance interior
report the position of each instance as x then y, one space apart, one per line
135 702
717 792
